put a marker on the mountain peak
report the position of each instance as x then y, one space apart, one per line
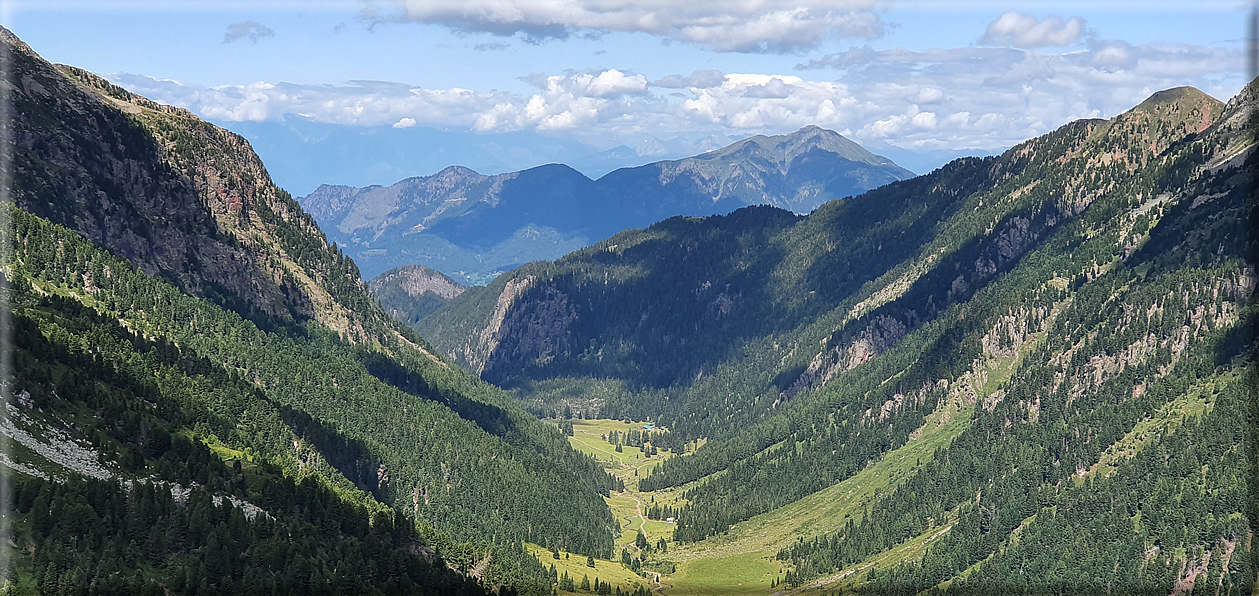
1177 96
1169 115
785 148
457 171
416 280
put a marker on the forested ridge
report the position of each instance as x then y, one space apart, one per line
1083 302
235 354
207 399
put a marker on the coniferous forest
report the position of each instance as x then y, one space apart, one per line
1030 373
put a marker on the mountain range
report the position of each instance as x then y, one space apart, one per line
1028 373
472 227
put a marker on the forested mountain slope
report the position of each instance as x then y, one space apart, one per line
412 292
473 226
180 324
1082 302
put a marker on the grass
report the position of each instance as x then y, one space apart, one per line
589 437
575 565
742 561
1195 402
746 573
629 508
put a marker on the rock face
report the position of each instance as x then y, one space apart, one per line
180 198
473 226
416 281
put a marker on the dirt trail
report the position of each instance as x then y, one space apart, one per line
632 471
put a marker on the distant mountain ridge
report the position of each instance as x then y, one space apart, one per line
473 226
1014 360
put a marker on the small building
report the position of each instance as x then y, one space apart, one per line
669 520
649 426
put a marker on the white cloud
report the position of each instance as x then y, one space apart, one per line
982 98
1026 31
700 78
611 83
928 95
924 120
758 26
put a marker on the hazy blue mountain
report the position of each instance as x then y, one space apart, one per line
301 154
473 226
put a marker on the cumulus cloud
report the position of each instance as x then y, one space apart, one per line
1026 31
251 30
992 97
610 83
763 26
775 88
976 97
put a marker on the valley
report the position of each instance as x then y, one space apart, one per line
932 374
782 366
741 560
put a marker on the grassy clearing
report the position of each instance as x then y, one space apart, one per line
1193 403
575 565
589 436
742 560
629 507
748 573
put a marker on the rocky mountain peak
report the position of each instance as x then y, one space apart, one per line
1169 115
417 280
784 149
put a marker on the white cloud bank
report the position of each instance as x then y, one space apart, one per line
977 97
755 26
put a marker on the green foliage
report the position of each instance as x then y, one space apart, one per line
1056 295
361 424
95 535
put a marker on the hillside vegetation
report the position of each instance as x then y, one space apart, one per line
1053 301
186 337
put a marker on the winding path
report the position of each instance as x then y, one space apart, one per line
632 470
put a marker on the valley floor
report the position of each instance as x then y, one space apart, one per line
741 561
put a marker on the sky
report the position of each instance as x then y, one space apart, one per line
658 76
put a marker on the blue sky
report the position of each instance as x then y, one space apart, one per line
659 76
